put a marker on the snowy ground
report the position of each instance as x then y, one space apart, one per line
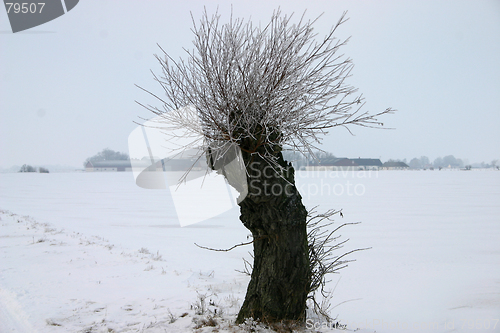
92 252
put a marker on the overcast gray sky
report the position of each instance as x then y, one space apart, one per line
67 86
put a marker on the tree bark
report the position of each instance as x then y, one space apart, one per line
274 213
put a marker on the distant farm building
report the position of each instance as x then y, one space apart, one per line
395 166
343 163
143 164
368 163
118 165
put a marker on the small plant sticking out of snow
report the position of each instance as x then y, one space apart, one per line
171 317
51 322
143 250
200 307
250 325
204 322
232 302
41 240
157 256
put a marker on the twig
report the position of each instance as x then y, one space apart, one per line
232 247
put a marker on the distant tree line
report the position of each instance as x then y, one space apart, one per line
448 161
423 162
299 160
107 155
29 168
493 164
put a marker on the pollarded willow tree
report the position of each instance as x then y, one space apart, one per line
265 89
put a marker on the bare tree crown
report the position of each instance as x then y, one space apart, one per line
261 87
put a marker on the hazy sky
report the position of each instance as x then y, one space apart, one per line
67 87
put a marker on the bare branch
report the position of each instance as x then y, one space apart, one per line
248 268
278 85
232 247
322 246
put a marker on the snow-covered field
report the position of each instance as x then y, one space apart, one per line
92 252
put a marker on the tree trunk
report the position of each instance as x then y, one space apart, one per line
274 213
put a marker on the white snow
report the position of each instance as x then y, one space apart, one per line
92 252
